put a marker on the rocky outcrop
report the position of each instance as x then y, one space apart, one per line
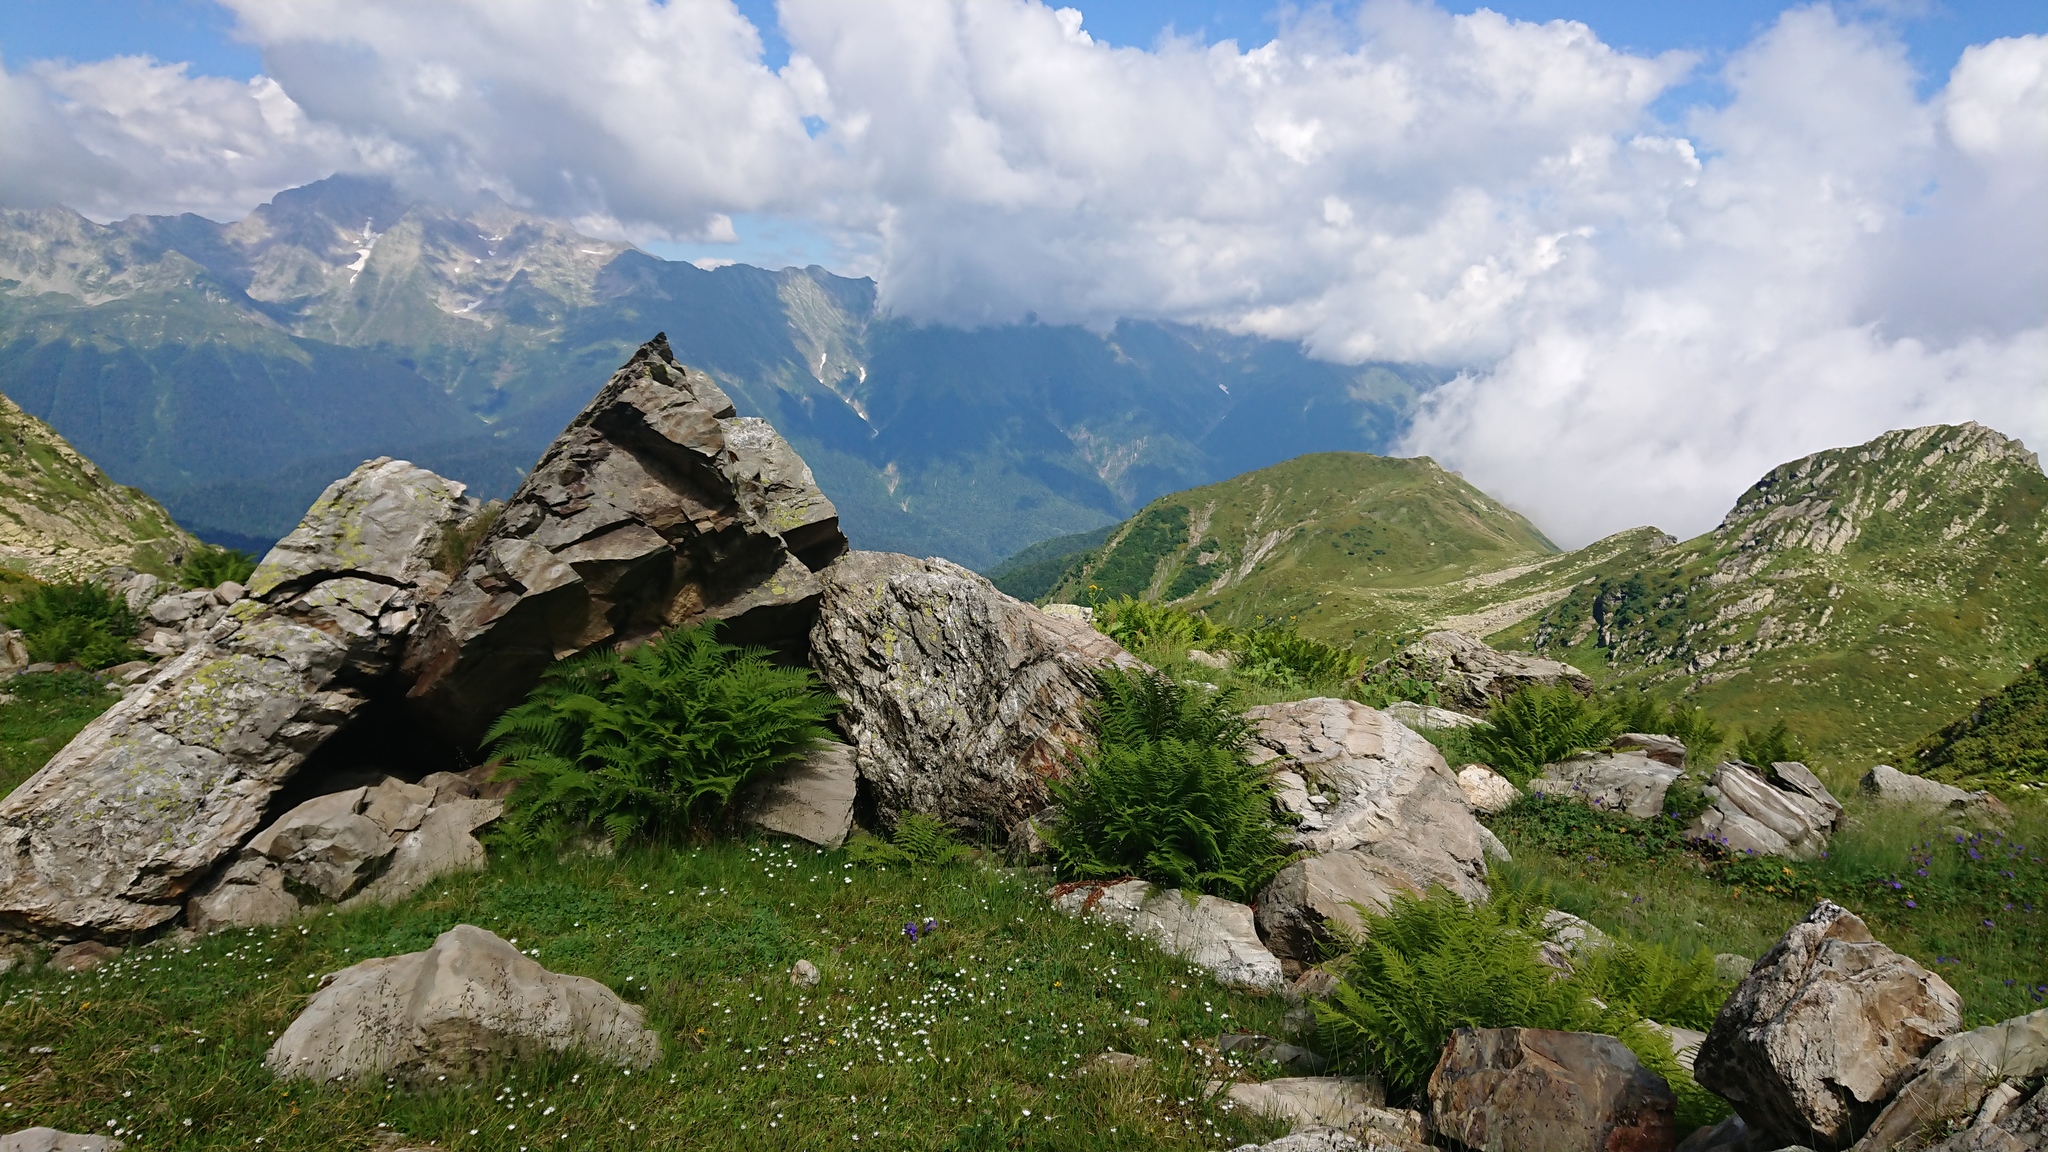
1785 813
1471 675
1206 931
656 507
467 1003
375 844
1629 782
811 799
1534 1090
1398 821
1355 1105
114 832
1952 1083
1889 785
960 701
1826 1027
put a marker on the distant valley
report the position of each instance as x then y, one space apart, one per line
232 370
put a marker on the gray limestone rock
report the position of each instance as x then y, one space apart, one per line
1529 1089
1628 782
116 830
1424 716
1826 1027
1206 931
811 799
52 1140
1953 1081
1487 791
1886 783
1472 675
1790 814
1399 823
1663 749
960 701
656 507
469 1002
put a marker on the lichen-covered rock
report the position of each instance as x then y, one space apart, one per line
113 833
467 1003
656 507
1790 813
1206 931
1952 1081
1628 782
1826 1027
1535 1090
1472 675
1399 823
960 701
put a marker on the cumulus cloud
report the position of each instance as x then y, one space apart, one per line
1650 313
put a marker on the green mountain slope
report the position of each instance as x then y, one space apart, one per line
1864 594
234 369
60 517
2002 743
1344 544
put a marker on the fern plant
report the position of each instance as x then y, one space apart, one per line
80 623
1167 794
650 743
1764 747
917 839
210 566
1281 656
1538 726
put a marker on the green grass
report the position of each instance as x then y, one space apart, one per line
45 712
990 1014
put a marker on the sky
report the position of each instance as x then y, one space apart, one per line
1668 246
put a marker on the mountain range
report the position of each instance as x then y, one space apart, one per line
1865 595
232 370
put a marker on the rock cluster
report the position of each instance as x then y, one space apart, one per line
1471 675
1782 811
656 507
960 701
114 832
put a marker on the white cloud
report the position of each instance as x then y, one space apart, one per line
1653 314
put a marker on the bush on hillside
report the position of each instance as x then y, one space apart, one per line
1275 655
1167 794
1136 623
649 743
1269 654
2003 741
210 566
1767 746
80 623
1390 685
1538 726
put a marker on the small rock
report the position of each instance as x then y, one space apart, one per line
1663 749
1080 613
1729 966
1316 1140
1826 1027
1471 674
1208 931
1531 1088
1117 1062
1312 984
1685 1042
1628 782
804 974
1423 717
1342 1102
811 799
229 592
1486 790
83 956
1566 938
456 1008
1216 660
51 1140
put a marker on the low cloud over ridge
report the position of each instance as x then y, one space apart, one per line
1652 313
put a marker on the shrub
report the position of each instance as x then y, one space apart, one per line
916 839
1133 623
81 623
1167 794
1538 726
1768 746
1280 655
1696 730
1433 963
652 742
210 566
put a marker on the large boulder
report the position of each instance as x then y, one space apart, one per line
1206 931
656 507
113 833
960 701
462 1006
1471 675
1399 821
375 844
1889 785
1629 782
1784 811
1826 1027
1952 1081
1535 1090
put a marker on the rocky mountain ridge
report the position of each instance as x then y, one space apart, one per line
233 369
61 517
